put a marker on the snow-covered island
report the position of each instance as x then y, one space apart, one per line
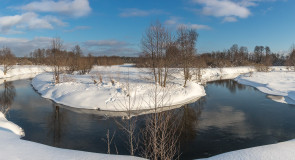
87 92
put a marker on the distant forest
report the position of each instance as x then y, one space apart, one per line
235 56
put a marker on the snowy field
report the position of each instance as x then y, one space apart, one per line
279 85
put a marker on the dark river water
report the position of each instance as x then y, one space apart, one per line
230 117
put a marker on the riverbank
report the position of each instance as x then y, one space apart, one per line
279 85
25 71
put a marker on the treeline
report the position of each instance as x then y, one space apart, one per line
240 56
70 61
73 57
233 57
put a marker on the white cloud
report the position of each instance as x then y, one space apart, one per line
29 20
77 28
175 23
230 19
225 8
135 12
110 47
229 10
198 26
104 43
172 21
22 46
75 8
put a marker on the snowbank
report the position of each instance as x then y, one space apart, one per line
13 148
5 124
213 74
112 94
25 71
279 151
279 84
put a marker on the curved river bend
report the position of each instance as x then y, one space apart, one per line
230 117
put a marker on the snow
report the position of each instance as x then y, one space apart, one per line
87 92
24 70
279 151
213 74
279 85
80 91
10 126
13 148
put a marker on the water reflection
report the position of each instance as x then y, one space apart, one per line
7 95
230 117
233 86
57 123
190 120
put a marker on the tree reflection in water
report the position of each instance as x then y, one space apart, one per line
56 124
7 96
232 85
190 118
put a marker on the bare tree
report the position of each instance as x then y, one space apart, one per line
186 41
8 59
258 53
199 65
267 60
291 58
154 44
57 58
85 64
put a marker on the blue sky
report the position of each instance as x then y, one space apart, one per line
115 27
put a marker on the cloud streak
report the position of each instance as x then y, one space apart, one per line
135 12
229 9
110 48
75 8
175 22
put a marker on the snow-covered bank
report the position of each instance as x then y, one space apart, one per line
279 151
280 84
5 124
13 148
80 91
213 74
24 71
